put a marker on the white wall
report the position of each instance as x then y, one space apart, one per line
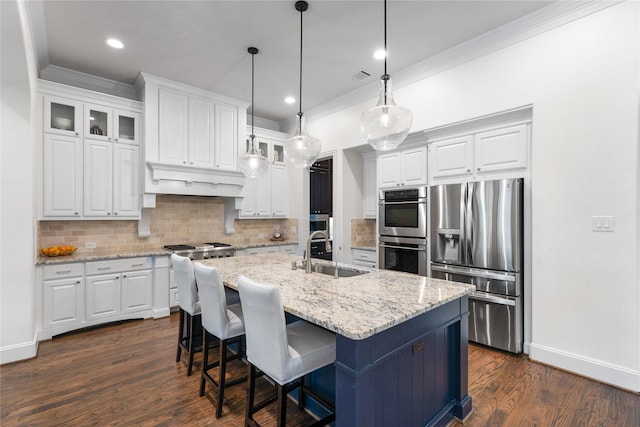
17 188
582 80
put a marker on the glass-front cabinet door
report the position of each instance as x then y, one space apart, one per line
126 126
97 122
62 116
278 153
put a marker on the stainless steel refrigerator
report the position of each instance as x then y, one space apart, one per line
477 237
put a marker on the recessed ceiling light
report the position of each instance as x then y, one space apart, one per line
289 100
114 43
379 54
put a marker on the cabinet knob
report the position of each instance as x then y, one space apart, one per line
217 166
115 139
77 134
116 213
77 282
191 162
124 275
108 213
478 168
468 170
76 213
184 162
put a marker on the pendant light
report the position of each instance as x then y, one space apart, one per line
386 125
252 163
301 149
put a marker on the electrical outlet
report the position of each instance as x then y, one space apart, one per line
358 238
90 245
261 236
602 223
293 230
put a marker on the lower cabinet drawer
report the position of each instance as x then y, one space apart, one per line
119 265
61 271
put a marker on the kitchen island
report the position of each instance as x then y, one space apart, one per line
401 339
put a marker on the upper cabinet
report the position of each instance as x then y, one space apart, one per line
192 139
406 166
268 195
482 154
370 202
90 154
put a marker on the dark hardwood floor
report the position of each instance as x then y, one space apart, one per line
125 375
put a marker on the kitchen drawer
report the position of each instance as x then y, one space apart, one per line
60 271
364 255
119 265
289 249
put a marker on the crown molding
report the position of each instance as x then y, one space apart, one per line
548 18
87 81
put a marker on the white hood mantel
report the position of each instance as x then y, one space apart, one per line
188 180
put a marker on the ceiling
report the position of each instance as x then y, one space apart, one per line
204 43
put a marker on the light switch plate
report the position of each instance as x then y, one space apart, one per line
602 223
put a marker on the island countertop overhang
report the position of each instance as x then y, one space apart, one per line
356 307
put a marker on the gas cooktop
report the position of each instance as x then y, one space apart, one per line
202 250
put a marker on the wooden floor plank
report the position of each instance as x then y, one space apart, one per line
125 374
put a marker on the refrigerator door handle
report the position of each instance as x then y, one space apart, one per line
491 299
468 224
473 272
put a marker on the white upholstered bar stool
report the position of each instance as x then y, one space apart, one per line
285 353
224 322
189 308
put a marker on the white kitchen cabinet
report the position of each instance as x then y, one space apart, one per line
126 181
200 147
289 249
77 295
406 167
279 191
90 170
483 154
62 116
196 132
111 185
258 250
501 149
226 136
268 195
365 258
62 296
124 288
62 176
105 123
103 296
451 157
369 186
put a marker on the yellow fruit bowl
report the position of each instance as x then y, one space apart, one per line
58 250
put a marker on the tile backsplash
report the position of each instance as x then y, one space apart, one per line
175 219
363 232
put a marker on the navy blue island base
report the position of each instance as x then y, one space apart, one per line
413 374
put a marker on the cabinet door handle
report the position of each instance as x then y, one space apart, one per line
63 271
77 282
77 133
76 213
108 213
116 213
137 265
478 168
468 170
124 275
103 268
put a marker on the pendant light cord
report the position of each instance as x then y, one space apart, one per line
300 94
385 77
253 57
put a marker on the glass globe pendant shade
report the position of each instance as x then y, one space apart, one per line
251 163
301 149
386 125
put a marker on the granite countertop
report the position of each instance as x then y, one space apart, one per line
355 307
101 255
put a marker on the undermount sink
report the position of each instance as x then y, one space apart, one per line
330 270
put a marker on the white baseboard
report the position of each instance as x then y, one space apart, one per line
617 376
17 352
161 312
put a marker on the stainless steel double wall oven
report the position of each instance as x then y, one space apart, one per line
402 230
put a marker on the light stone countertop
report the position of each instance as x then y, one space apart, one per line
102 255
355 307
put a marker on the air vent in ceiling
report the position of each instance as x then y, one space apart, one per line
360 75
